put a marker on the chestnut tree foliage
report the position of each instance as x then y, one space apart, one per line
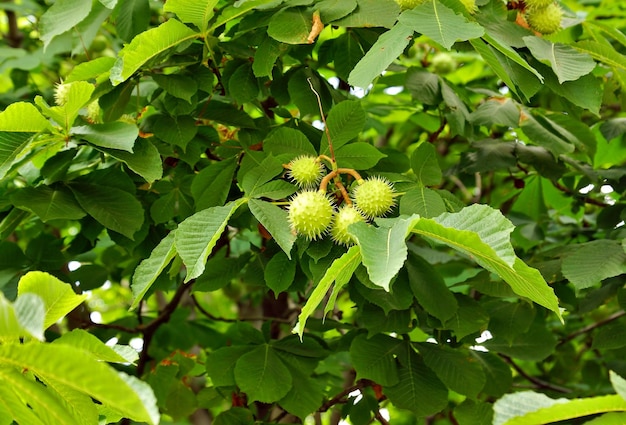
152 271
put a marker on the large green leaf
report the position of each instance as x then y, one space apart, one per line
114 208
115 135
12 146
425 165
529 408
22 117
423 201
374 358
262 375
602 52
455 367
593 262
289 141
358 156
148 45
48 203
418 388
145 159
340 272
279 272
83 374
386 49
77 96
194 12
383 249
149 269
534 345
274 219
429 289
13 408
291 26
79 338
345 121
210 186
221 364
62 16
58 297
567 63
371 13
440 23
198 234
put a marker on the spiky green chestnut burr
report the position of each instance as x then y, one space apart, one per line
310 214
374 197
346 216
545 20
305 171
538 4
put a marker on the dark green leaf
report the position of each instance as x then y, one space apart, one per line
373 358
48 203
262 375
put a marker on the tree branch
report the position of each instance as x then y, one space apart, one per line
539 383
592 326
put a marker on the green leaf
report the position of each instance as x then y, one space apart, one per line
148 45
238 9
243 86
540 132
114 208
21 117
602 52
383 248
456 368
262 375
274 219
305 396
593 262
220 365
58 297
30 312
534 345
331 10
529 408
179 86
48 203
115 135
291 25
358 156
79 338
423 201
425 165
371 13
145 159
10 328
194 12
474 412
619 384
210 186
497 111
345 122
440 23
275 189
177 131
235 416
498 373
340 272
198 234
430 289
288 141
373 358
418 388
12 403
567 63
279 272
265 57
269 168
83 374
149 269
61 17
12 146
386 49
78 96
489 247
469 317
90 70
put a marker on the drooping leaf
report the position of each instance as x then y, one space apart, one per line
383 248
274 219
373 358
422 201
115 135
198 234
279 272
291 26
114 208
147 45
145 159
150 268
12 146
358 156
269 168
262 375
211 185
58 297
48 203
81 339
440 23
221 364
425 165
339 272
430 289
288 141
594 261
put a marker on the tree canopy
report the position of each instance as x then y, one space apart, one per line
285 211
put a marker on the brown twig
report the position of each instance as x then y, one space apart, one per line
592 326
241 319
540 383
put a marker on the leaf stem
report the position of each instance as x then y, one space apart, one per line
326 130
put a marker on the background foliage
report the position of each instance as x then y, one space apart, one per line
147 267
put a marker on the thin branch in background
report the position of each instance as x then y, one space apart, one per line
326 130
539 383
241 319
379 417
592 326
